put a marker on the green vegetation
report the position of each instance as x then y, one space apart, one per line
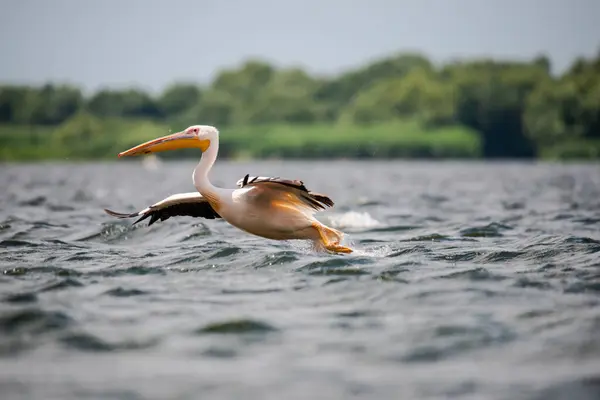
402 106
85 137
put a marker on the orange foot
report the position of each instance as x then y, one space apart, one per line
327 243
337 248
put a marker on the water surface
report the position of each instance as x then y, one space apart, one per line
470 280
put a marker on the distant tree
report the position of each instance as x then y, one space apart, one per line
48 105
544 63
491 98
582 112
178 98
215 107
58 103
544 115
246 82
12 98
123 103
339 91
287 97
79 130
419 94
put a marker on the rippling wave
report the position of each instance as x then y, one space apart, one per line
468 281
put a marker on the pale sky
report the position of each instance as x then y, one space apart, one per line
151 43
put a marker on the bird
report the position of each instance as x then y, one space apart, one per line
268 207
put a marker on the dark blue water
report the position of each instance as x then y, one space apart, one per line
470 280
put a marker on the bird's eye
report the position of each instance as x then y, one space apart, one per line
195 130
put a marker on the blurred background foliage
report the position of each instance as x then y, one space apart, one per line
401 106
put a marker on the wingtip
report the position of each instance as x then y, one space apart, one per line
111 212
118 214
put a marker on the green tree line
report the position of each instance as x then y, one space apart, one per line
513 108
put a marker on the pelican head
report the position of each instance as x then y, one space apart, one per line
196 136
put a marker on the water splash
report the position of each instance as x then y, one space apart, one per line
152 162
375 252
353 220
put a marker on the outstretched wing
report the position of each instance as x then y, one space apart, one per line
191 204
316 201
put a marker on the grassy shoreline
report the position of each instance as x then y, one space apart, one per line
87 138
90 139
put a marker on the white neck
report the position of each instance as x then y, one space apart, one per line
200 175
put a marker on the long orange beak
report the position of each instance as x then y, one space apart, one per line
179 140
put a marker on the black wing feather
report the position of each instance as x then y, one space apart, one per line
316 200
196 209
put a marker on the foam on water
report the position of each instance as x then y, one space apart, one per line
353 220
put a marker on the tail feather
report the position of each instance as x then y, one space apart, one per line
321 198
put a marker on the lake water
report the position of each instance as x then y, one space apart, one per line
470 280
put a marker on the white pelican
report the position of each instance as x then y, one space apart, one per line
269 207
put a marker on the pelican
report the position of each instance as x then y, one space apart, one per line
269 207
